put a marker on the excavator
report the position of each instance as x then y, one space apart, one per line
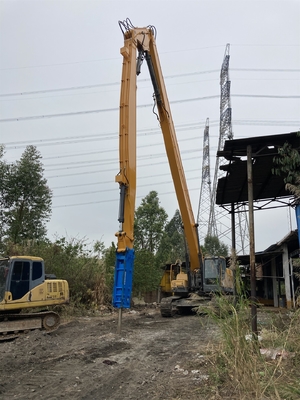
184 284
24 285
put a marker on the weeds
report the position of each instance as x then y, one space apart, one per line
239 367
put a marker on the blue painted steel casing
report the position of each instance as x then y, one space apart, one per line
123 279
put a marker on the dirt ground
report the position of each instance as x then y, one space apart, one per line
152 358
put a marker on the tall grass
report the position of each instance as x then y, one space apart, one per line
238 366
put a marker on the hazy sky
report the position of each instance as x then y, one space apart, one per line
60 85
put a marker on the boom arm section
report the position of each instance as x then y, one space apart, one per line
143 39
126 177
172 150
127 147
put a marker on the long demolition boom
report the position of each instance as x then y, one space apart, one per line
139 44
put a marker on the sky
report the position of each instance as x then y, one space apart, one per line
60 73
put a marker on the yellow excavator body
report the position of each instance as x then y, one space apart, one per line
24 285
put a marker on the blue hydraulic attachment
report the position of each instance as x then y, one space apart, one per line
123 279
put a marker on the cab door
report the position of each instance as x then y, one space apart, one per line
20 275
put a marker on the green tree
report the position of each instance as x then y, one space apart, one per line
294 189
110 255
214 247
27 198
99 248
172 245
147 274
287 163
3 194
149 224
150 220
109 259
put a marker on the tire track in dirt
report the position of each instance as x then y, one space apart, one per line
86 359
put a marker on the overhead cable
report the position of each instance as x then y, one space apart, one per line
113 200
35 117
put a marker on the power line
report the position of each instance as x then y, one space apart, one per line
100 136
113 189
142 132
263 45
72 88
260 122
165 52
35 117
107 161
114 90
58 115
101 60
267 96
109 135
59 142
110 181
59 90
266 69
111 170
114 200
95 111
57 64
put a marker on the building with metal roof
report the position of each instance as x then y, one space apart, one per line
271 273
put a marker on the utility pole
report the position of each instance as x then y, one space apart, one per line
252 243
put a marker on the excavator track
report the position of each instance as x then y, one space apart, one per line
12 325
172 305
166 306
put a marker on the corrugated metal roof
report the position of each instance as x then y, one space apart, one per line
233 188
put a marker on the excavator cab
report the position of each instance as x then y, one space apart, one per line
181 282
216 277
23 284
19 276
175 279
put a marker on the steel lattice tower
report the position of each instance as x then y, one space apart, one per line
205 190
218 216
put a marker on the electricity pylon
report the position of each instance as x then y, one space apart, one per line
218 217
205 191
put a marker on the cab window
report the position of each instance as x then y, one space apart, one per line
37 270
21 271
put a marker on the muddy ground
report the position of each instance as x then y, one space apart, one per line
153 358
